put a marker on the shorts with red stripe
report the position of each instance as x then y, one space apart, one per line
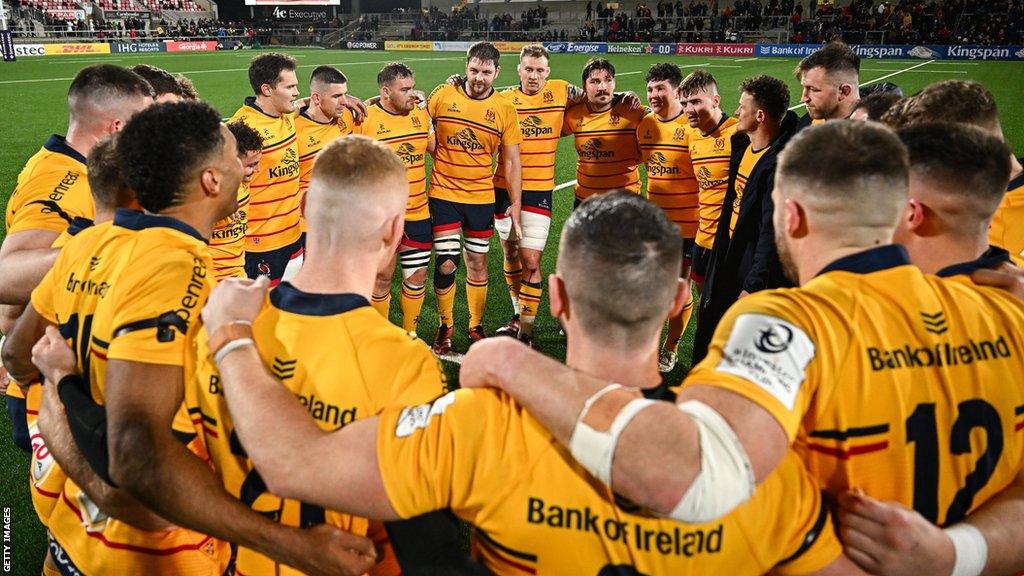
447 217
272 264
701 259
536 202
419 235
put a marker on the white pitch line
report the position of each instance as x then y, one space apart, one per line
744 59
915 71
189 72
565 185
872 81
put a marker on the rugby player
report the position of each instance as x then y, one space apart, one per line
744 259
540 104
954 191
324 119
166 88
829 80
475 451
52 191
663 137
396 120
604 128
136 287
862 379
227 243
472 123
273 237
971 103
710 150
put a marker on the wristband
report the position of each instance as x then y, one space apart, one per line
231 347
229 333
971 549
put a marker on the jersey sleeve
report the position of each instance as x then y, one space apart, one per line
38 206
441 455
511 134
765 350
434 100
418 379
567 122
43 295
176 287
800 535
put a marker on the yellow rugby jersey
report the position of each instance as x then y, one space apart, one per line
746 167
710 155
129 290
906 386
312 137
540 119
664 148
408 135
1007 229
52 190
469 133
274 204
227 242
606 146
339 379
536 511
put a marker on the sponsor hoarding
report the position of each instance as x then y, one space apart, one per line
61 14
83 48
627 48
903 52
361 45
204 46
28 50
577 47
713 49
295 13
420 46
503 46
292 2
108 14
137 47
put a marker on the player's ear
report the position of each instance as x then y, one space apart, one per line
558 299
845 90
394 228
796 219
266 89
210 180
914 214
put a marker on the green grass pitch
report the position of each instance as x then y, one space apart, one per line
33 92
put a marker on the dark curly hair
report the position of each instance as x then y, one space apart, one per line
161 80
161 146
769 93
665 71
267 68
248 139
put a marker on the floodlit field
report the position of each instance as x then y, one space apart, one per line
33 93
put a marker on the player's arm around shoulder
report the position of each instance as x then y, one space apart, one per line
408 372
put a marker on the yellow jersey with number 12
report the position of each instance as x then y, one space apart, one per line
909 387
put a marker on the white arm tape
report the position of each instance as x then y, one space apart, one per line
726 478
595 450
971 549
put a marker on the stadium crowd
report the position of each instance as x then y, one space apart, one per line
202 365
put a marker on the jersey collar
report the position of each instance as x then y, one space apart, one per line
290 299
304 112
250 101
871 260
134 220
78 223
992 257
58 144
1018 181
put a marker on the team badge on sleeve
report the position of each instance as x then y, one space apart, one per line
769 352
415 417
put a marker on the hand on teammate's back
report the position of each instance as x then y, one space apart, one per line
356 106
330 551
52 355
1007 277
889 539
234 300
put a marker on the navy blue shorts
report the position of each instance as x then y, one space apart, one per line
475 220
418 235
537 202
273 263
701 260
17 411
688 245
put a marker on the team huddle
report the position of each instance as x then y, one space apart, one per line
203 368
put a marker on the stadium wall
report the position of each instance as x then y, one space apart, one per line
866 51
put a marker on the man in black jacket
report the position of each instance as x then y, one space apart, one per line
744 258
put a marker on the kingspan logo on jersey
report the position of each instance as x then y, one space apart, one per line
407 152
467 139
533 126
656 165
591 150
289 165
